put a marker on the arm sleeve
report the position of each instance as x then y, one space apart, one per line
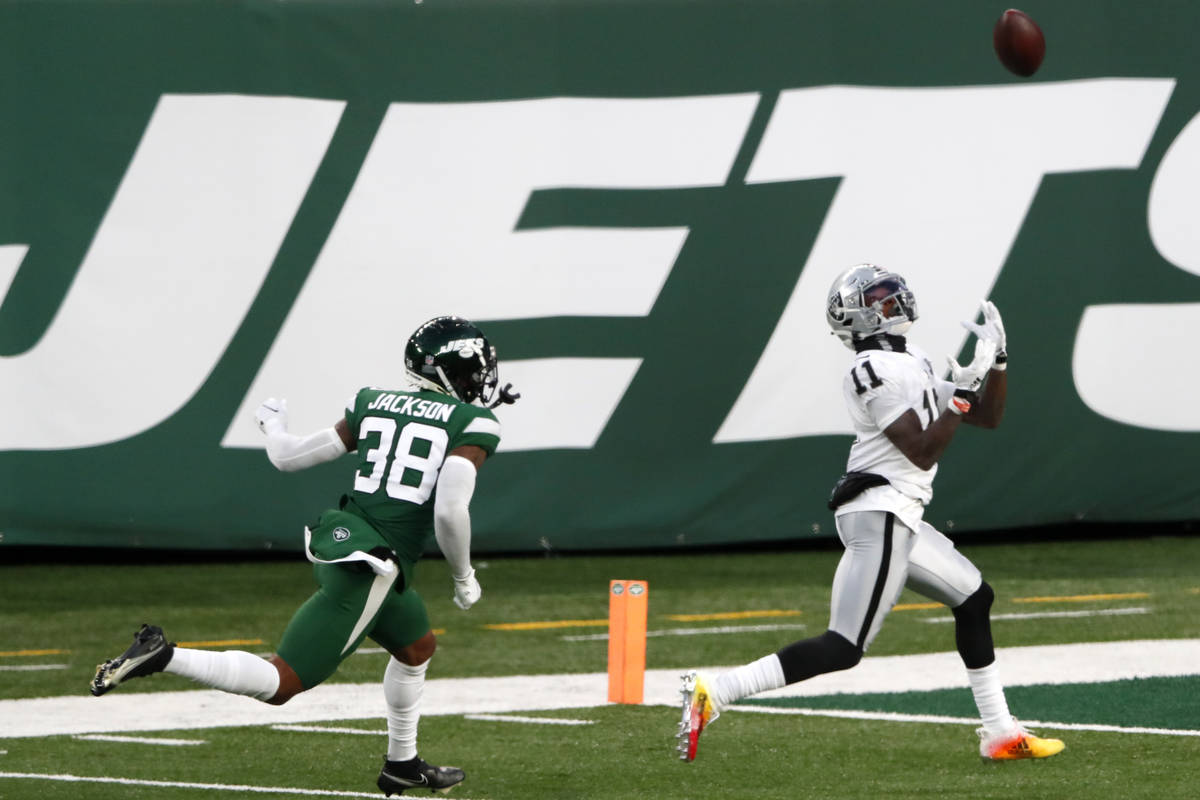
290 453
451 517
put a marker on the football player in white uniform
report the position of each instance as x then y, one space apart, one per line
904 417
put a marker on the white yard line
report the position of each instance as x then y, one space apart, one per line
785 626
30 667
1100 612
369 651
891 716
527 720
125 711
217 787
329 729
105 737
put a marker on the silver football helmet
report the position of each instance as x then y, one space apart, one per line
867 300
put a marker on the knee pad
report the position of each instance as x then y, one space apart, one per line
845 653
973 629
828 652
977 605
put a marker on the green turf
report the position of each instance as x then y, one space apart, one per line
627 753
91 612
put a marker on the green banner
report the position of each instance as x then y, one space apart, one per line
643 205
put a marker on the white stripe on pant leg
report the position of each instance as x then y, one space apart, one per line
379 589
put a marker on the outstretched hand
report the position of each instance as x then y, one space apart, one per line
969 380
992 329
272 413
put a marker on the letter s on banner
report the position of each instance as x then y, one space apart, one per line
428 229
172 271
1127 356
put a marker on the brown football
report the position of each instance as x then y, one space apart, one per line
1019 42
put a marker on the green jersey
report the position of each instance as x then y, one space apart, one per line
403 438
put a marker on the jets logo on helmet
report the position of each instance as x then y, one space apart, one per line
452 356
464 347
868 300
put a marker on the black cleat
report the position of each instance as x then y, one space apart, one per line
396 776
148 654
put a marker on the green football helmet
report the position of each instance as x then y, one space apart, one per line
452 356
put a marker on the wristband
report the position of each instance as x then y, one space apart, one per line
1001 362
960 401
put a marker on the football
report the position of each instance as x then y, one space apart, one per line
1019 42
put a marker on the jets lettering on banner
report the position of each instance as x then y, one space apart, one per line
216 181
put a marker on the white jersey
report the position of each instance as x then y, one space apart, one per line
880 387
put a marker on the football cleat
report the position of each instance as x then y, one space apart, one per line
396 776
148 654
1014 746
698 711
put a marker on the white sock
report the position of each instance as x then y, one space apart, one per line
757 676
402 688
989 698
234 671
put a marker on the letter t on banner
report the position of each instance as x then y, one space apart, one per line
627 603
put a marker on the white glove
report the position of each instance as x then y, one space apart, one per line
272 415
968 380
466 590
993 330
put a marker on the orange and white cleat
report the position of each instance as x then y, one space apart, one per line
1018 745
698 711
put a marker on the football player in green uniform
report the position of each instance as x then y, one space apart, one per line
418 451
